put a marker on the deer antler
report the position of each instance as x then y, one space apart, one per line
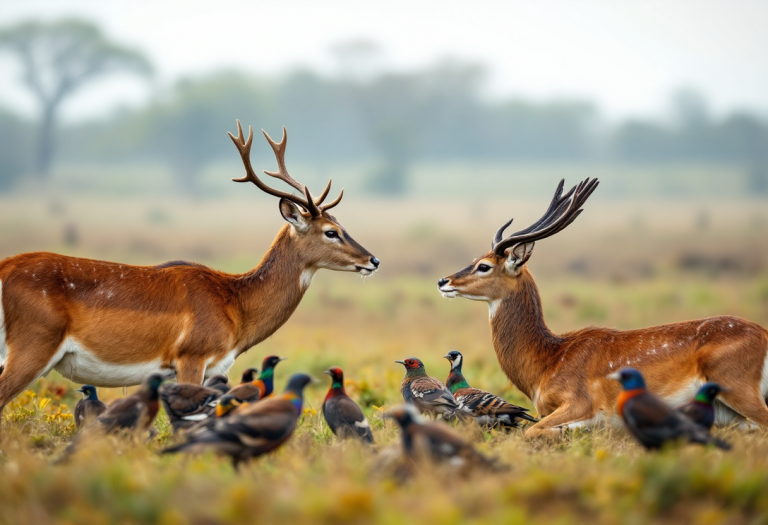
310 204
562 211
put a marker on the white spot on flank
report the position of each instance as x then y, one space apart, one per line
72 285
362 424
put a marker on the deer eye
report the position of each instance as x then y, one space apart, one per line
483 268
332 234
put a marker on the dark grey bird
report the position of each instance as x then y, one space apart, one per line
88 408
341 413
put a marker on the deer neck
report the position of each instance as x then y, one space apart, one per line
525 347
270 293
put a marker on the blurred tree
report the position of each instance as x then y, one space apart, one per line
14 149
57 59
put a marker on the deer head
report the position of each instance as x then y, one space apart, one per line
322 241
491 277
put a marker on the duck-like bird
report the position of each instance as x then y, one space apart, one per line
253 430
434 441
650 420
426 393
488 409
701 409
188 403
341 413
88 408
260 387
219 382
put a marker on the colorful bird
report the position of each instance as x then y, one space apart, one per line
136 411
254 430
219 382
249 374
434 441
261 387
225 406
188 403
88 408
426 393
341 413
486 408
650 420
702 410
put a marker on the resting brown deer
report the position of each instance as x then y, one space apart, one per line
565 375
111 324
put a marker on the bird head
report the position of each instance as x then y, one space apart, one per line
708 392
249 374
336 373
411 363
404 415
297 383
455 357
218 379
87 390
225 404
153 381
271 361
629 378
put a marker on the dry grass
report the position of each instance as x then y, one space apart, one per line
629 271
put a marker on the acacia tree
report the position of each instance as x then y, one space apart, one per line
59 58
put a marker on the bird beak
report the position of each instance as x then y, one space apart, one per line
448 357
282 359
328 372
401 362
80 390
615 376
724 390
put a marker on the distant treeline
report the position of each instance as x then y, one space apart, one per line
394 118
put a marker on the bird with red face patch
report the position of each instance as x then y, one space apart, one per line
650 420
488 409
426 393
341 413
262 386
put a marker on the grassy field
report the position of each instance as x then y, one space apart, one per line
623 264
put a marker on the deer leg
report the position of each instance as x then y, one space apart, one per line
552 425
190 370
748 404
21 369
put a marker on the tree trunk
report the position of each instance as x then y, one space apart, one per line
46 140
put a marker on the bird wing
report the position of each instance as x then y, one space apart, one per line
701 415
123 413
486 404
342 413
186 399
432 391
246 393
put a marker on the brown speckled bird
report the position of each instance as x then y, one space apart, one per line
488 409
426 393
436 442
188 403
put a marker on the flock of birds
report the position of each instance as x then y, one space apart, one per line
246 420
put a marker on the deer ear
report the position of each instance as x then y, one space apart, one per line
294 214
518 255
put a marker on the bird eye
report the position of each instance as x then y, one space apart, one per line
332 234
483 268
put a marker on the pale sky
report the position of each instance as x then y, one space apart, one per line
627 56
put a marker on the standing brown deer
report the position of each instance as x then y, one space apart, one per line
564 375
110 324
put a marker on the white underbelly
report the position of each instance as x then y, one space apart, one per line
83 366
